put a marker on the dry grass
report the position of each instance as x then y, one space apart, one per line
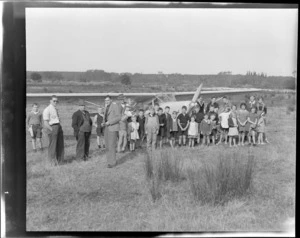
87 196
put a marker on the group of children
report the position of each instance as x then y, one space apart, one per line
211 125
204 125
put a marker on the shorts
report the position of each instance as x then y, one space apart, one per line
132 140
182 133
99 131
37 131
224 129
214 132
173 134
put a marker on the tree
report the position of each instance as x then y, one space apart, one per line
125 79
36 77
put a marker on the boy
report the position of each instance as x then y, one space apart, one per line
183 120
141 120
162 126
98 123
35 122
151 129
168 123
173 129
223 117
198 118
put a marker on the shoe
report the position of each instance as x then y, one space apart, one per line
42 149
99 146
110 166
34 150
103 147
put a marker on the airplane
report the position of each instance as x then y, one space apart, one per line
146 99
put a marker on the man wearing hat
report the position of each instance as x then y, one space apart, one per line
82 125
121 102
112 117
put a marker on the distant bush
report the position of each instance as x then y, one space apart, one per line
36 77
218 183
125 79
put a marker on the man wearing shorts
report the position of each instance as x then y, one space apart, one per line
35 122
183 120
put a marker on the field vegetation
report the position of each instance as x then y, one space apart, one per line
214 188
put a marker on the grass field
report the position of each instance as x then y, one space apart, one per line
87 196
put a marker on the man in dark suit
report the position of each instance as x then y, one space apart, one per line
82 125
112 117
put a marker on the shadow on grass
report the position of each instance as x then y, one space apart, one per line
130 156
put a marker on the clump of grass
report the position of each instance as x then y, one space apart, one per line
218 183
161 166
152 178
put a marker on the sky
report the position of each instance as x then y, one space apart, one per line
186 41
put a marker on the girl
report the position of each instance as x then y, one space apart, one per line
242 118
205 128
99 124
213 122
261 129
251 125
233 131
261 107
173 129
134 134
193 131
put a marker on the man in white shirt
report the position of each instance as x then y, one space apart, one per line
55 133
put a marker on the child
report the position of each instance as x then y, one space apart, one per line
242 118
123 130
151 128
198 118
193 131
98 123
251 125
174 129
233 131
141 120
223 117
205 129
168 123
133 128
35 124
162 126
261 107
261 129
213 121
183 121
252 102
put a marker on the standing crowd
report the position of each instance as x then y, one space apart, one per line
119 127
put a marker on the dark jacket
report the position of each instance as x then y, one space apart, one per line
77 121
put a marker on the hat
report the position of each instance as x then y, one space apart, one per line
121 97
81 102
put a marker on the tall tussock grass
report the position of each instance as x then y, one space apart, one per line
216 183
161 166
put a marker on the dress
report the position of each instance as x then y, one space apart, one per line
233 131
134 135
193 130
243 116
205 127
252 117
261 125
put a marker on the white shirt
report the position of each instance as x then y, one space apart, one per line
224 119
51 114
